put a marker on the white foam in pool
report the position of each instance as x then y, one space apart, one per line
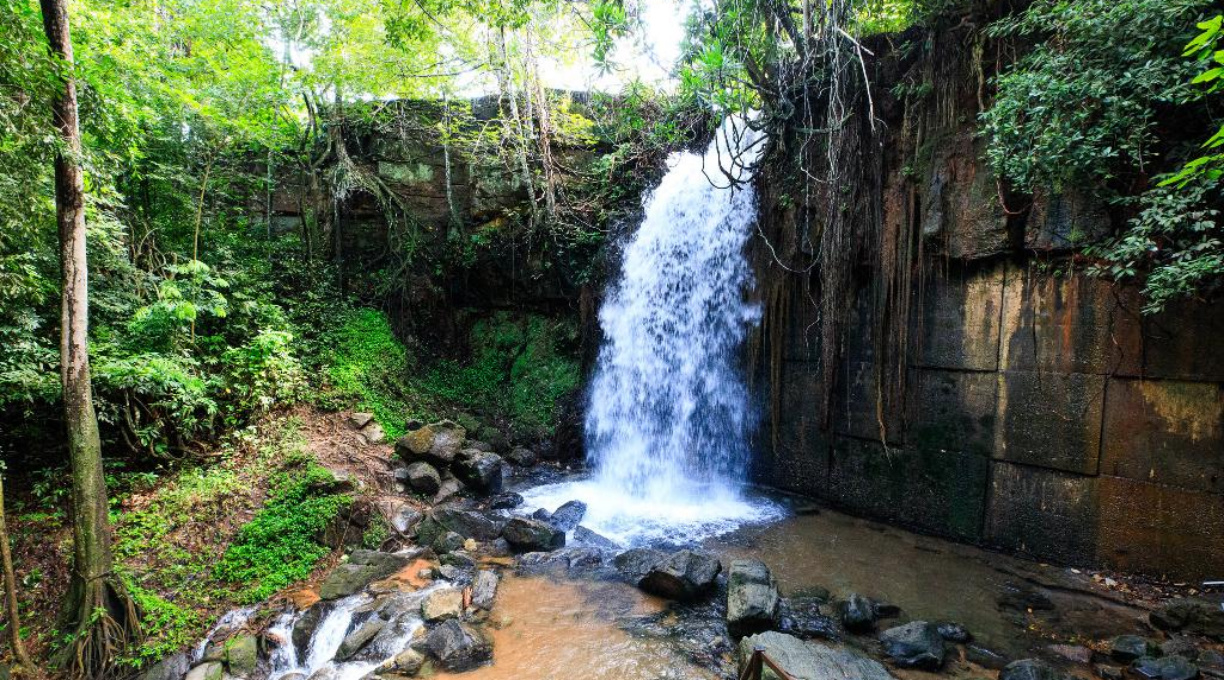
631 520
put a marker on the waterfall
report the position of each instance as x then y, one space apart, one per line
668 415
669 420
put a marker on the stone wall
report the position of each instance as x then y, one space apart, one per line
1043 415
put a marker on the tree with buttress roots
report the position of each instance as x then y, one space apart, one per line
99 615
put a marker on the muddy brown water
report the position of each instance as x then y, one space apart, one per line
991 594
562 630
549 629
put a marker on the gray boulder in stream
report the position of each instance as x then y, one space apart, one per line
568 516
480 470
752 598
917 644
532 535
859 614
1030 669
363 567
467 523
683 575
458 647
811 660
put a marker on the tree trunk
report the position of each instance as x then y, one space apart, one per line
10 592
98 611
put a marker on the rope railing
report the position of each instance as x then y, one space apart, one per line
756 666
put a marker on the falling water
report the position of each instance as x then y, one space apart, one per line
668 421
668 410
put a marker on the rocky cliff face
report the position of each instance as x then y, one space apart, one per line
1035 409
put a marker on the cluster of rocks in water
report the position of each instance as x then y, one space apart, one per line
446 586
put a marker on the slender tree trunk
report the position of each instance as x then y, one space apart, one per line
10 592
98 611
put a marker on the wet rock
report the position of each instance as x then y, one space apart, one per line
424 478
505 501
360 420
811 660
211 670
405 518
583 560
447 543
324 674
484 589
304 629
752 598
529 535
634 564
478 445
459 559
441 604
363 567
986 658
543 562
1180 646
407 663
412 446
954 632
585 536
468 523
1212 659
1108 672
859 614
242 654
803 617
458 574
1165 668
568 516
1194 616
480 470
1129 647
447 442
683 575
1030 669
450 488
917 644
499 547
170 668
1022 597
1072 653
541 514
359 638
458 647
522 456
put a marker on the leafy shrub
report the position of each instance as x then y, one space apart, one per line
1081 105
282 543
520 368
1177 240
369 365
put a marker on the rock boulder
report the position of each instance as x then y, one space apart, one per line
752 598
811 660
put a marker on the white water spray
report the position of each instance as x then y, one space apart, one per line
669 420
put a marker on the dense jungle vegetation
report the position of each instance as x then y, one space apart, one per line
212 328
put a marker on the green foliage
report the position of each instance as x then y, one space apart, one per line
519 370
369 365
1081 105
283 542
1177 241
1205 48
